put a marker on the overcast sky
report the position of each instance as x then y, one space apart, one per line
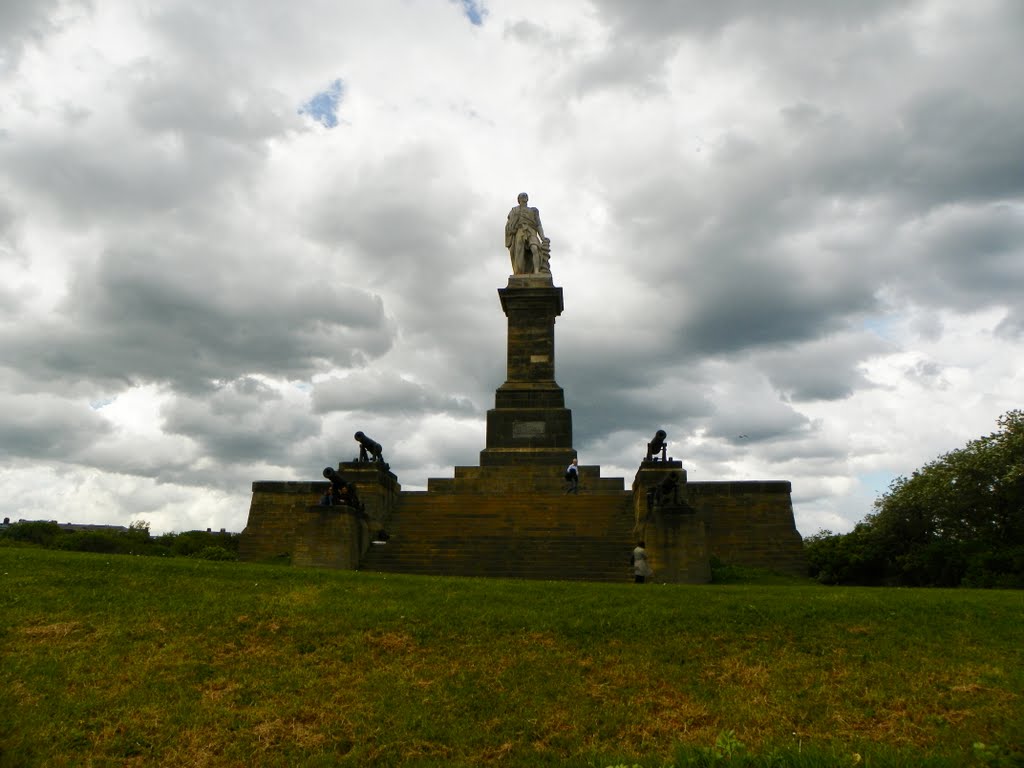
789 233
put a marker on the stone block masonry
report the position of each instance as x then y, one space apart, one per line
287 523
529 424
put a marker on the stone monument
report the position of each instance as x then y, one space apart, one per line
509 516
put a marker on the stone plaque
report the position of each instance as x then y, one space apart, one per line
539 358
526 429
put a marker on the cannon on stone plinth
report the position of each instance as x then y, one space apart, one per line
667 491
665 494
369 450
343 493
656 446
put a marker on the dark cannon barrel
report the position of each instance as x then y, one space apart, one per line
369 450
656 446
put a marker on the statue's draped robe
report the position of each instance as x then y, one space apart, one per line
522 231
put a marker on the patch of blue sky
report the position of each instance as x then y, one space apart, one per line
880 325
323 107
876 483
473 10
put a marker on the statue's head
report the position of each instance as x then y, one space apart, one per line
523 198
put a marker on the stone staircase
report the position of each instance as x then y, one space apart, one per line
584 537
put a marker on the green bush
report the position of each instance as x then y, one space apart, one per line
214 553
957 521
34 532
190 542
136 540
93 541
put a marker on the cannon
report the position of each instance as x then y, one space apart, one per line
343 493
369 450
656 446
665 493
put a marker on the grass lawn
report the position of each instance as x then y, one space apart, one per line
118 660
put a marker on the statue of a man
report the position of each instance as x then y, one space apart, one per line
524 238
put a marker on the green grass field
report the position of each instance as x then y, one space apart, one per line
117 660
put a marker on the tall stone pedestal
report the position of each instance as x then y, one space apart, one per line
529 424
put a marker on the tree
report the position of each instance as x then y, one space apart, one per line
957 520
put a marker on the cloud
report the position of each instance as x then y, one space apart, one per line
824 369
370 392
244 420
801 224
177 313
47 428
23 22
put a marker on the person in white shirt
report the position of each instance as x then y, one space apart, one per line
641 568
572 476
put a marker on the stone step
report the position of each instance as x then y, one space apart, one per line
528 536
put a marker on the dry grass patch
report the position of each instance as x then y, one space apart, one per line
52 632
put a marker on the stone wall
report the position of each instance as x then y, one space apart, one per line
276 511
286 522
745 523
330 537
751 523
741 523
677 547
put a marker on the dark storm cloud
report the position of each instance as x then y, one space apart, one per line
147 455
403 217
177 317
941 146
244 420
196 140
968 256
827 456
637 67
242 113
22 23
83 179
656 18
46 427
10 296
7 218
804 221
613 385
742 276
10 302
761 421
761 267
960 148
824 369
763 307
525 31
408 227
369 392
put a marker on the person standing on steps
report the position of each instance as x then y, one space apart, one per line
641 568
572 476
